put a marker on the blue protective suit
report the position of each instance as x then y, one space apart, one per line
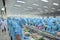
15 28
54 26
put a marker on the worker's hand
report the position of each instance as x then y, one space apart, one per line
18 37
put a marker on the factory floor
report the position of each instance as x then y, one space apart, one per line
4 35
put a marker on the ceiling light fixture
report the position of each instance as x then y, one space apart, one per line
17 5
53 8
45 6
55 4
21 1
35 4
44 0
3 9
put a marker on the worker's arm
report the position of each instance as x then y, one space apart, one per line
18 37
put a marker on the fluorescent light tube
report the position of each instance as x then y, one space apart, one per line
21 1
44 0
45 6
17 5
53 8
36 4
55 4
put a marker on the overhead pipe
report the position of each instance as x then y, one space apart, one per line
4 4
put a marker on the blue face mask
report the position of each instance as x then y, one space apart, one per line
54 23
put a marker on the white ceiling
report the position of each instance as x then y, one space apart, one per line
34 7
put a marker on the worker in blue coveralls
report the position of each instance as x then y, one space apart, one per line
54 26
28 20
45 23
58 22
48 25
21 23
10 28
15 30
35 21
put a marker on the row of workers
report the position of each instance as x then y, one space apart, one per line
51 25
16 29
16 26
